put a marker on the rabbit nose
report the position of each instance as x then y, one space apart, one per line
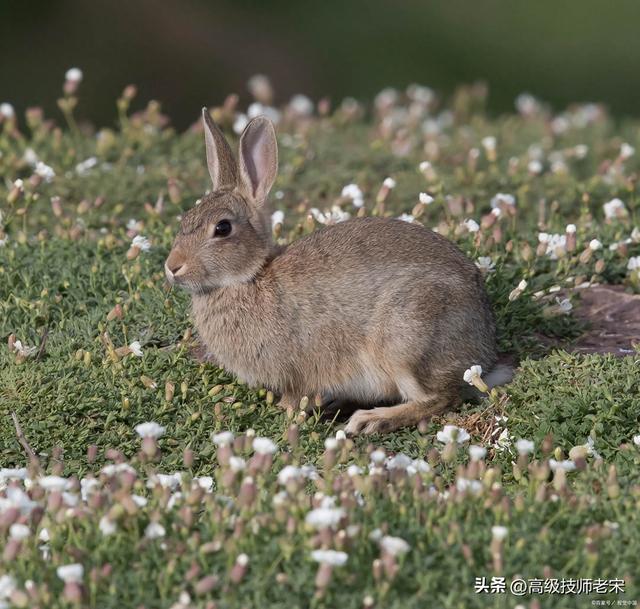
175 266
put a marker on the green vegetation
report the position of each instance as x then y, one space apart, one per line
77 293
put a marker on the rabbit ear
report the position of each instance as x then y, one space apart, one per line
258 158
223 168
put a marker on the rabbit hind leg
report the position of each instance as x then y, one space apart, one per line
421 404
391 418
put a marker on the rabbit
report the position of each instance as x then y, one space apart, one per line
367 311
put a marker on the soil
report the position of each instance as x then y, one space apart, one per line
613 318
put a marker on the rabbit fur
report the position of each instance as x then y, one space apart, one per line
367 311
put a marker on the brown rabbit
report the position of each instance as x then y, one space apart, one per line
367 311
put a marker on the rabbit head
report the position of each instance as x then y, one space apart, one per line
226 238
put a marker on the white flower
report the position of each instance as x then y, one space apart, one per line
170 481
471 225
54 483
301 105
571 228
424 166
224 438
74 75
154 530
133 224
117 468
565 305
580 151
71 574
24 350
499 532
535 167
566 465
45 172
554 242
636 440
142 243
406 218
240 122
107 526
242 560
340 435
395 546
331 444
264 446
485 264
502 198
139 500
353 192
9 473
70 499
6 110
451 433
522 285
614 209
626 151
86 487
634 263
258 109
527 104
399 461
473 486
386 97
504 441
309 471
173 500
330 217
525 447
289 472
470 373
330 557
85 166
204 482
19 531
377 456
277 217
150 430
477 452
356 470
591 448
489 143
324 517
237 464
594 245
136 348
420 93
418 466
7 586
389 183
425 198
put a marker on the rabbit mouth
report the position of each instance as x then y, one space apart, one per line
175 274
185 281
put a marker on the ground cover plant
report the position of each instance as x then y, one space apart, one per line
133 474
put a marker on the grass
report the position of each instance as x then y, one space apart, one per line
71 287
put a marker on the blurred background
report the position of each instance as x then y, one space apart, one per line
188 53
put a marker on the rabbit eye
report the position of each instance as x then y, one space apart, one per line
223 229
